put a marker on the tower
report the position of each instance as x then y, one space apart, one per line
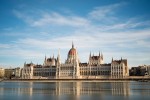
90 58
77 66
58 65
45 61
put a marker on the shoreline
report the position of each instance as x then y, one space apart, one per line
72 80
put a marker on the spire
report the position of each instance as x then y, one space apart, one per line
25 63
77 58
45 60
31 63
58 57
99 54
72 45
121 58
45 57
59 53
112 59
90 53
53 55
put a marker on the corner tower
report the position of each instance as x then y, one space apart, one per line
96 60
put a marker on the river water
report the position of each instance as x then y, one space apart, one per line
77 90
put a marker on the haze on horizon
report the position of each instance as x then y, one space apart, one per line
31 29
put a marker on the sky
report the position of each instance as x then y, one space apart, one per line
33 29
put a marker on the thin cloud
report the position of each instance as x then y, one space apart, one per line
5 46
29 48
88 36
87 41
105 13
22 16
57 19
52 18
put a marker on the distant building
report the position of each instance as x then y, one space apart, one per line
2 72
74 69
17 72
140 70
9 73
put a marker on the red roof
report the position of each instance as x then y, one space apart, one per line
72 51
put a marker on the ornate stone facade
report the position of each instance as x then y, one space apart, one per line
119 68
52 68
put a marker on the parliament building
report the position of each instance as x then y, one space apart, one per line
53 68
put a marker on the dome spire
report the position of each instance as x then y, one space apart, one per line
72 45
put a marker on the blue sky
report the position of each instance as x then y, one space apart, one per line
31 29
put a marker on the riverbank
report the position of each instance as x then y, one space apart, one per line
130 78
142 79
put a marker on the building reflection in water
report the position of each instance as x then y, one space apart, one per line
16 88
120 88
24 88
75 89
81 88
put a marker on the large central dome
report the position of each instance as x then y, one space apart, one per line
72 55
72 51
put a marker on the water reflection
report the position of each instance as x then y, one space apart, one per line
28 89
75 88
71 90
121 88
81 88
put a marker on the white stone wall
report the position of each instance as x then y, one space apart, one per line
2 72
119 70
27 72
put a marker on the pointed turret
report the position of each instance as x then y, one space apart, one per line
24 63
53 56
76 56
45 61
90 55
99 54
58 57
45 57
77 65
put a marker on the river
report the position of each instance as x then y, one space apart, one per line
75 90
